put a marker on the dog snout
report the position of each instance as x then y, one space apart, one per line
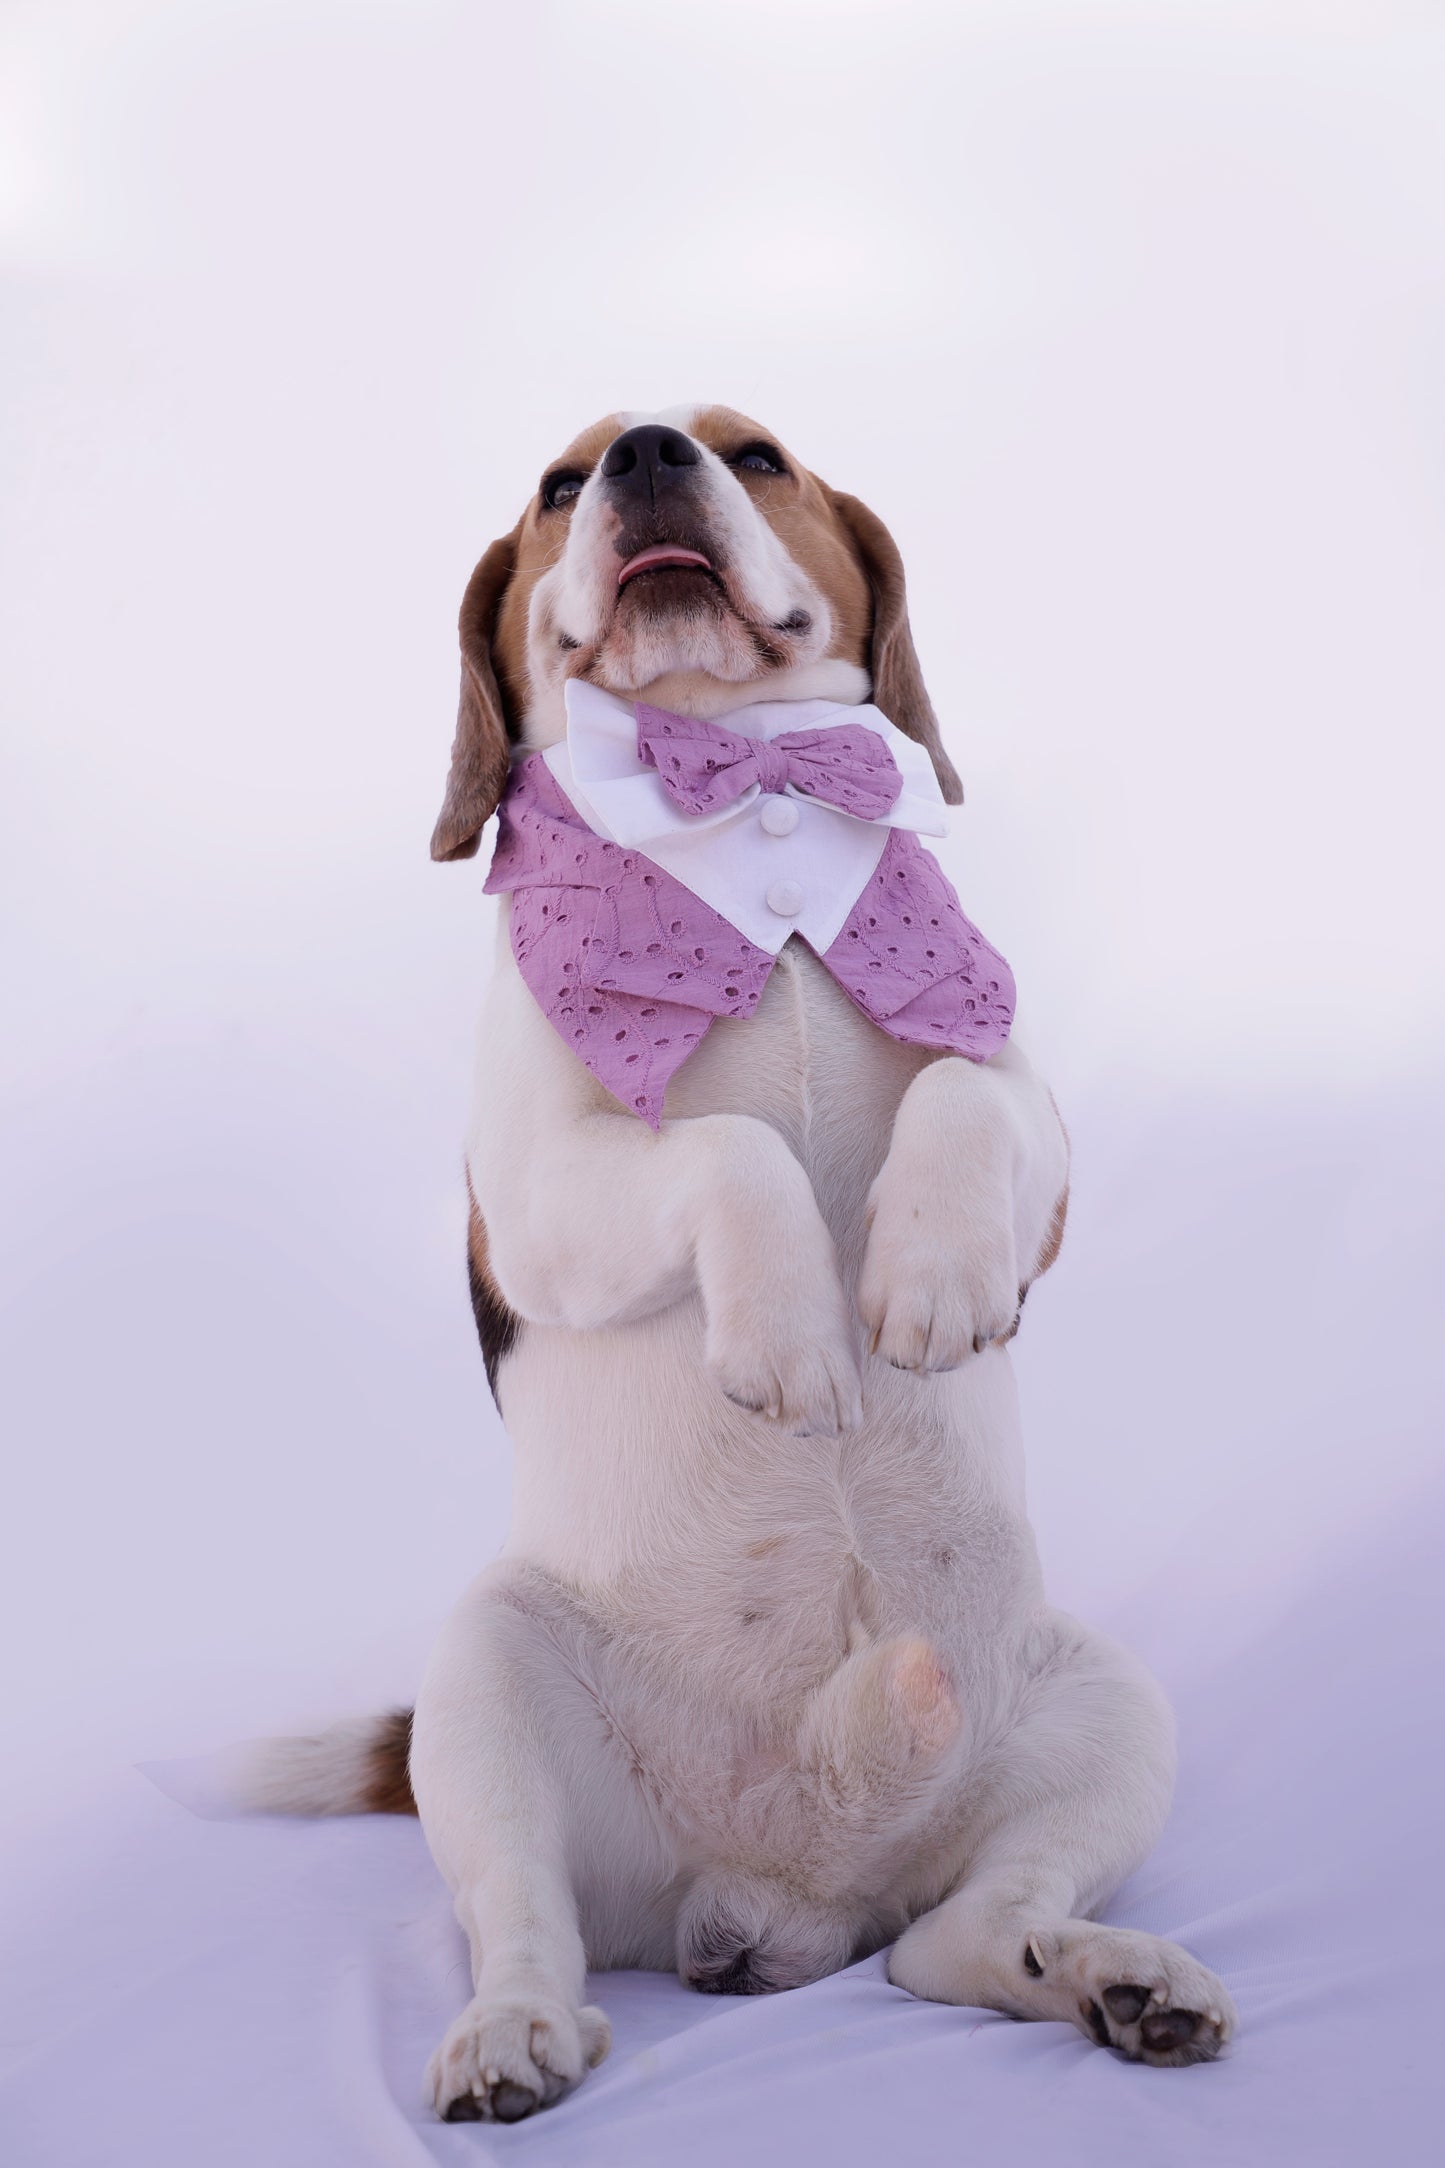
644 462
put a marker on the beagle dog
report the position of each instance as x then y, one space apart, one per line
764 1678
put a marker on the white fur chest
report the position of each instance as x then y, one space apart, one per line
723 1551
810 1064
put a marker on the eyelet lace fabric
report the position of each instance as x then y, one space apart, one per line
631 968
704 764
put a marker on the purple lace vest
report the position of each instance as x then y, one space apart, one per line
631 968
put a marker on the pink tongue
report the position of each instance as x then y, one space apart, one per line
661 553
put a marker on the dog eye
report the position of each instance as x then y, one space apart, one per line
759 459
562 488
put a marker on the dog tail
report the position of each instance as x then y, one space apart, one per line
358 1767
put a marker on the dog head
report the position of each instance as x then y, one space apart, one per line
690 558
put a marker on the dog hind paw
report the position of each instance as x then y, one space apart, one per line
502 2060
1144 1997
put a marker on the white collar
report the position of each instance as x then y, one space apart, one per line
728 858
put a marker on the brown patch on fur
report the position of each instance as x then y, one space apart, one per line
1054 1239
498 1325
1002 1339
1052 1244
801 512
1048 1251
898 687
388 1785
493 633
849 553
541 539
764 1545
481 749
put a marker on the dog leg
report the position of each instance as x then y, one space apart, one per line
967 1210
516 1772
595 1220
1070 1804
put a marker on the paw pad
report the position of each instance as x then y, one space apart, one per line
1166 2029
510 2103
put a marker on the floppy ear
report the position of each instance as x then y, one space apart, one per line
481 749
897 676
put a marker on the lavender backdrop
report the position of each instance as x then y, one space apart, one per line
1128 319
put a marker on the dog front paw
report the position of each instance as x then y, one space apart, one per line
791 1359
940 1281
503 2060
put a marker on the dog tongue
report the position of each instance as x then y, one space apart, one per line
661 553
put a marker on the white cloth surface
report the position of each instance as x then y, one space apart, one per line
190 1993
234 1994
728 857
1159 460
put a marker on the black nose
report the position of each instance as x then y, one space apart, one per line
650 458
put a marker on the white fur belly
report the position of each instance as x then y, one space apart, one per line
638 1483
732 1567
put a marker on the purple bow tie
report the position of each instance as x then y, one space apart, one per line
703 766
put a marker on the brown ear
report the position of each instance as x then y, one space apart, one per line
897 676
481 750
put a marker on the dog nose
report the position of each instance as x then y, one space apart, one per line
648 459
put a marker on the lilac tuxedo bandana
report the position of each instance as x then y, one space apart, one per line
631 967
703 765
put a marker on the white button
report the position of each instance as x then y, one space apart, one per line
779 816
786 898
